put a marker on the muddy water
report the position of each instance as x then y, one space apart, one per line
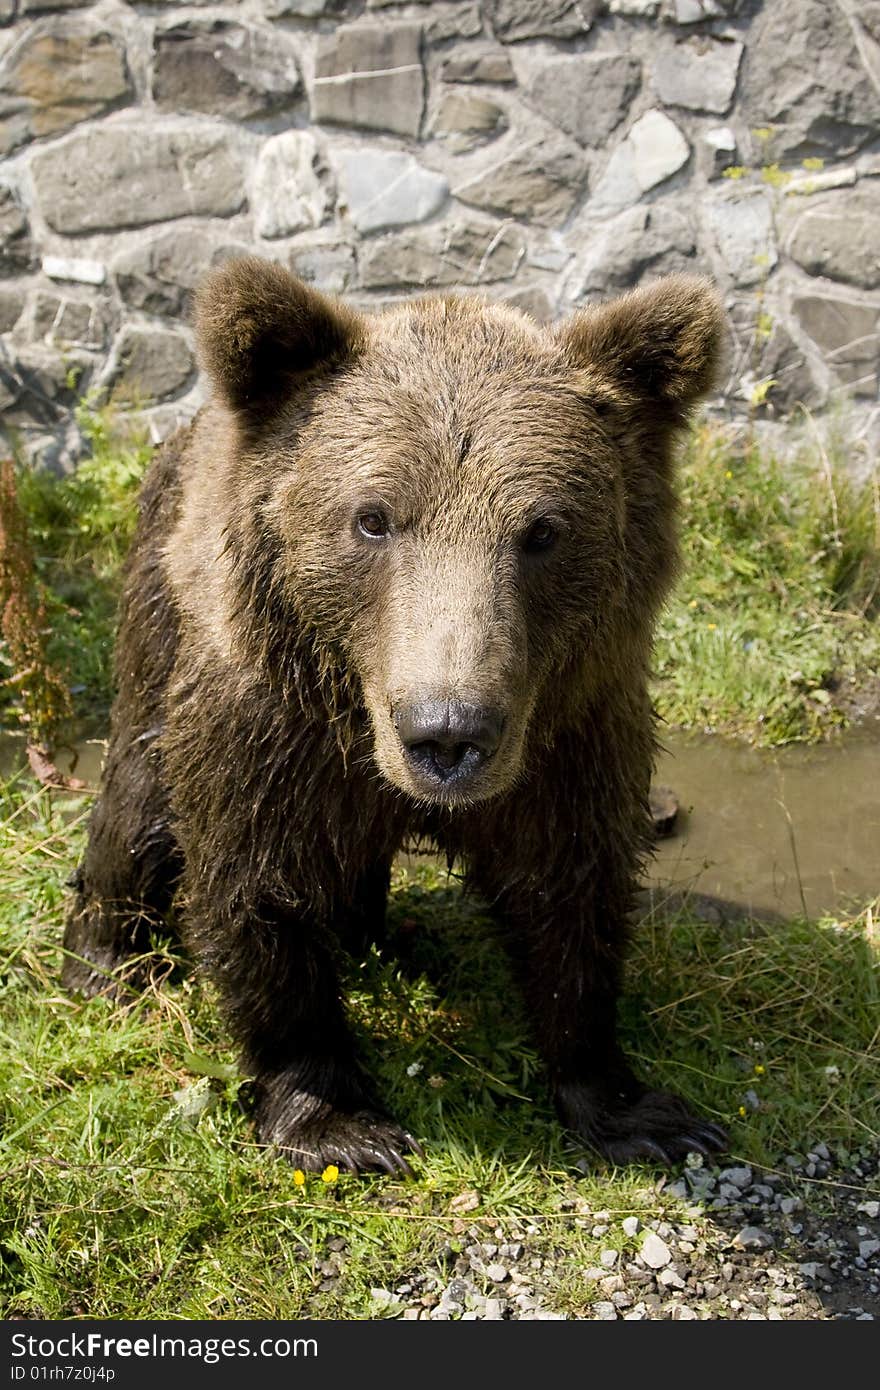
774 830
780 831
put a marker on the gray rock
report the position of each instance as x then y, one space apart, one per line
496 1272
586 95
64 322
223 69
370 75
55 78
867 1248
41 6
840 238
466 251
16 247
386 188
654 1251
717 151
478 65
159 275
740 222
538 181
287 194
77 268
631 1226
652 152
444 22
150 364
804 77
604 1311
328 264
11 306
608 1258
753 1238
739 1178
301 9
127 176
699 74
463 120
552 19
657 239
846 331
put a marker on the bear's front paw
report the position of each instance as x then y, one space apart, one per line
630 1122
313 1134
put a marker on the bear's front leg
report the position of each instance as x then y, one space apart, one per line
558 862
266 897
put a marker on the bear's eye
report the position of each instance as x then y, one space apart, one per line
540 535
373 525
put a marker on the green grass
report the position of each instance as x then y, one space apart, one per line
776 608
131 1184
80 527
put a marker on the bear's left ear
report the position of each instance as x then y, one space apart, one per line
661 343
259 329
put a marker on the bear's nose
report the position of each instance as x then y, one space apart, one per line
447 740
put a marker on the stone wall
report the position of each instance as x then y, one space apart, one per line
546 152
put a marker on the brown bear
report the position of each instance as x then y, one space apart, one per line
399 579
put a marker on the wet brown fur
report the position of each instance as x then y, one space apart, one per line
254 767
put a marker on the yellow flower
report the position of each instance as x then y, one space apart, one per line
693 603
728 474
330 1173
759 1070
711 626
299 1176
742 1112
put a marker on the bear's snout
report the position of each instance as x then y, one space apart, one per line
446 742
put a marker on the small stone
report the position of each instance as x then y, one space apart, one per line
478 65
609 1258
287 194
81 271
223 69
741 224
493 1310
739 1177
670 1278
381 1297
370 75
699 74
605 1312
652 152
387 188
497 1273
539 181
788 1205
463 120
867 1248
16 245
753 1238
464 252
149 364
52 80
586 95
682 1313
871 1209
631 1226
654 1251
103 178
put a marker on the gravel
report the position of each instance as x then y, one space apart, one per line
737 1243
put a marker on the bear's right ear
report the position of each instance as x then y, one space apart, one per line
259 328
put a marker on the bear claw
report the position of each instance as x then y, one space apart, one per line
654 1125
354 1143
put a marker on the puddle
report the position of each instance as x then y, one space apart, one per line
772 831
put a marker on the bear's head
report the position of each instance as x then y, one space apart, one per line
447 517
